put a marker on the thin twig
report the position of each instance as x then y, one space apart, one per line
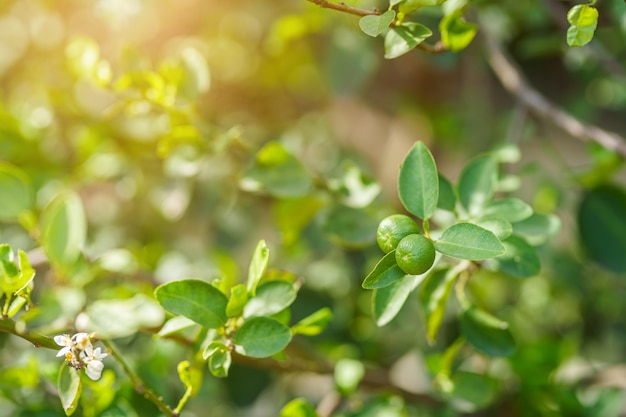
342 7
37 339
513 81
137 382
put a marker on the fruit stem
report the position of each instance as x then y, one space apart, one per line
426 227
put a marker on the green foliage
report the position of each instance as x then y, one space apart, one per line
260 337
69 385
375 25
402 39
583 20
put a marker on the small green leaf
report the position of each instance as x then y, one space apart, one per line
501 228
237 301
447 194
537 228
260 337
69 387
583 20
218 357
374 25
456 33
404 38
520 260
298 408
418 183
348 375
386 272
487 333
278 173
190 376
350 227
17 194
64 229
271 297
197 300
292 215
175 325
433 296
469 241
313 324
602 226
408 6
258 266
477 184
387 301
509 209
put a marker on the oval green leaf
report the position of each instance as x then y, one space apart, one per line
17 194
404 38
537 228
258 266
237 301
386 272
374 25
278 173
271 297
520 260
501 228
602 226
418 183
456 33
69 386
387 301
313 324
477 184
298 408
583 20
433 297
487 333
197 300
447 194
260 337
64 229
510 209
469 241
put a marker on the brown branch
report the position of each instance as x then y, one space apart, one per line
342 7
513 81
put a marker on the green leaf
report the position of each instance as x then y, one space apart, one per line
219 359
278 173
447 194
348 374
292 215
537 228
237 301
583 20
271 297
477 184
404 38
433 297
408 6
313 324
387 301
190 376
418 183
17 194
469 241
456 33
510 209
501 228
260 337
350 227
197 300
520 260
69 387
477 389
386 272
175 325
602 226
487 333
9 272
374 25
113 318
64 229
258 266
298 408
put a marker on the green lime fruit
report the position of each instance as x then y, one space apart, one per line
415 254
394 228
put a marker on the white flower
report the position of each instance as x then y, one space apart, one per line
80 354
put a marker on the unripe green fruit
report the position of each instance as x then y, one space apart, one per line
394 228
415 254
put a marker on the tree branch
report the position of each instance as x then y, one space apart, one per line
513 81
37 339
342 7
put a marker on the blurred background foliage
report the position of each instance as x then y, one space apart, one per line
191 129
